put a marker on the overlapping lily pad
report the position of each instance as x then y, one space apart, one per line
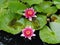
14 6
57 3
31 2
37 23
51 35
3 4
6 18
45 7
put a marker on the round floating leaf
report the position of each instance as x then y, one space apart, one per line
31 2
12 0
51 10
7 22
42 6
51 36
42 20
57 2
45 7
15 6
36 23
47 35
58 6
55 28
3 4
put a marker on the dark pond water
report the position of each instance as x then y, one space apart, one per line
9 39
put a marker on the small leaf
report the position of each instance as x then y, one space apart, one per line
55 18
57 3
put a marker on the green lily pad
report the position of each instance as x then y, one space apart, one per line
51 36
46 7
47 35
31 2
16 5
42 20
57 3
6 20
55 27
3 4
42 6
36 23
12 0
58 6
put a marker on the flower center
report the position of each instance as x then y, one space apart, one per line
27 32
30 12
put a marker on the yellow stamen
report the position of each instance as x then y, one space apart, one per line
27 32
29 12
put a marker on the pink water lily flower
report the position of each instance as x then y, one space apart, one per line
29 13
28 32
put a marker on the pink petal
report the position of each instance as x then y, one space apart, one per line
33 30
34 35
22 35
30 19
29 38
34 12
32 8
34 16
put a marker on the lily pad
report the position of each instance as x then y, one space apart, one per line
51 35
3 4
37 23
57 3
31 2
15 6
45 7
6 18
